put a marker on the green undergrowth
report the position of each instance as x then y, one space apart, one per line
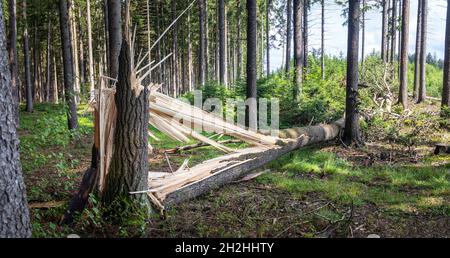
393 188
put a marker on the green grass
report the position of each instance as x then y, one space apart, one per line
424 187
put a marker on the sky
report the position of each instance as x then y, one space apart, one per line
336 33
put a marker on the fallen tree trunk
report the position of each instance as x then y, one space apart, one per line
197 145
220 171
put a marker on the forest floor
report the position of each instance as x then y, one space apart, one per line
383 188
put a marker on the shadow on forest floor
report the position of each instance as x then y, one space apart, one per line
322 191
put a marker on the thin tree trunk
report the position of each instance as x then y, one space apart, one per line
149 39
394 31
251 109
288 36
91 52
74 35
352 131
189 56
14 213
239 61
384 34
417 52
305 34
81 46
202 62
26 53
69 92
268 3
423 53
363 38
13 61
298 49
158 47
403 94
446 87
322 41
49 59
222 44
115 35
55 82
175 51
35 84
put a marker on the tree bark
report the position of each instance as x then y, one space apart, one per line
251 109
239 61
13 61
288 36
305 33
384 34
363 38
14 213
36 80
322 40
202 62
403 94
298 49
91 52
394 31
69 92
175 51
129 167
222 45
352 131
268 3
423 53
26 54
49 59
417 52
74 39
446 87
114 35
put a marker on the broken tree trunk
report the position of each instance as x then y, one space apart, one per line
129 164
183 185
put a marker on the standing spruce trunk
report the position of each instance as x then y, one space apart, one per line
91 52
202 62
352 131
384 34
363 38
239 61
423 53
305 33
268 3
14 214
129 164
175 81
114 35
322 40
27 62
417 52
288 36
49 59
403 93
222 44
251 109
446 87
393 32
36 54
69 92
12 51
298 49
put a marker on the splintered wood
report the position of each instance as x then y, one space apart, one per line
182 121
